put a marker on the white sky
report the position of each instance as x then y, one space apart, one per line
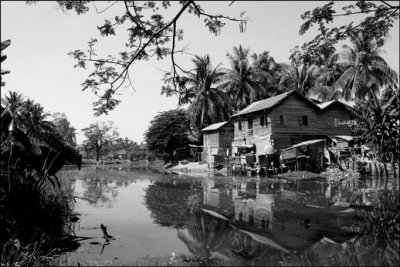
42 35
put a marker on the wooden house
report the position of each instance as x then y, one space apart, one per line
279 122
217 139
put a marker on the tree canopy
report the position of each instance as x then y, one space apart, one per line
378 19
168 132
100 134
64 128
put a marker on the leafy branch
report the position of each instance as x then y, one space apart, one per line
149 34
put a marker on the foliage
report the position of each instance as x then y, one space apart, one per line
377 20
33 214
302 78
243 84
150 34
64 128
201 90
99 135
4 45
168 133
365 71
378 123
29 139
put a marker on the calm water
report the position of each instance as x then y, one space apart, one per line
230 220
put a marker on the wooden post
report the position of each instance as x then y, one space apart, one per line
370 168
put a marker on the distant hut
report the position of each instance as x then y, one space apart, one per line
217 140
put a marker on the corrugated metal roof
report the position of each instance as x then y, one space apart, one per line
324 105
305 143
214 126
263 104
327 104
345 137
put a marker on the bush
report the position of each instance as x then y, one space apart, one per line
32 218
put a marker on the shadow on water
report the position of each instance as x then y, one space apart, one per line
216 220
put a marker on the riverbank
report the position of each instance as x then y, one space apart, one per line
185 167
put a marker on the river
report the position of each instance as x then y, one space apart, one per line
170 219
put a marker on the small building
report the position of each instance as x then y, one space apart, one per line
121 154
217 139
278 122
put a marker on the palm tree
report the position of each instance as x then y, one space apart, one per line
243 83
268 70
367 71
302 78
325 89
33 139
207 102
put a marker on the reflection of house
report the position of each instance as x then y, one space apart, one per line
257 212
281 121
217 195
217 138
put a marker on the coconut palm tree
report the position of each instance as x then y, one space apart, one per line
243 84
268 70
325 89
207 102
302 78
367 72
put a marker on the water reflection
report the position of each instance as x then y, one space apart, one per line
251 221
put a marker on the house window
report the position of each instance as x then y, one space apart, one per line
281 120
240 125
262 120
304 120
336 122
250 123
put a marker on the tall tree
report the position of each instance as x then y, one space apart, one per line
64 128
300 77
99 135
207 102
268 70
243 84
367 71
168 132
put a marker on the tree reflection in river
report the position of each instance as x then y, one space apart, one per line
252 221
170 199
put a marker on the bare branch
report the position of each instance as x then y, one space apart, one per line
172 54
151 39
138 22
386 3
214 16
99 12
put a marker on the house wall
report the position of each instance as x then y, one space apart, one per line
292 131
226 138
219 140
258 130
326 120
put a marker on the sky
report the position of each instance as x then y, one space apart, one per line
42 35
